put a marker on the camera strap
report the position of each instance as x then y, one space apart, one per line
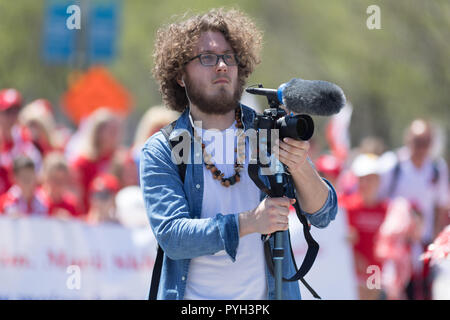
313 246
308 261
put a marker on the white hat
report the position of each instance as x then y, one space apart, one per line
131 207
365 164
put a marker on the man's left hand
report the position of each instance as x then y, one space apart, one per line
293 153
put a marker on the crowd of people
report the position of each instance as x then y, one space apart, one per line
395 202
48 170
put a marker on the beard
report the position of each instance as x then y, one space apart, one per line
220 103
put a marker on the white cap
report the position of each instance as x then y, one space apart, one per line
387 161
131 207
365 164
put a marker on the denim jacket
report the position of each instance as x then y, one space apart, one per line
174 212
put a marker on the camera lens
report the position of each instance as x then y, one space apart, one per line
298 127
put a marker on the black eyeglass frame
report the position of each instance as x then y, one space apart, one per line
218 56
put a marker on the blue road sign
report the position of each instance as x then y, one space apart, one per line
58 43
103 26
95 40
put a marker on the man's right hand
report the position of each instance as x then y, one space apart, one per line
270 216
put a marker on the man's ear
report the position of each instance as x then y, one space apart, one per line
180 80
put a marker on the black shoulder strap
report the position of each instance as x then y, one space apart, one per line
156 274
435 178
395 177
308 261
166 131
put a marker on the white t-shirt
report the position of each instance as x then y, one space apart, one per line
415 184
217 276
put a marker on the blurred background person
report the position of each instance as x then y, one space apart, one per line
438 257
23 199
130 206
401 228
372 144
151 122
129 202
15 140
419 177
124 168
38 117
102 191
423 180
101 138
330 168
365 214
348 182
56 187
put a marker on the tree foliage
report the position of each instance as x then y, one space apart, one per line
391 75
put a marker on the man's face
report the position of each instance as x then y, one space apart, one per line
213 89
420 145
419 140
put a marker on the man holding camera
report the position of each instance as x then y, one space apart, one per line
209 224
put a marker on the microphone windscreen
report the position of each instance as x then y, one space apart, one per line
314 97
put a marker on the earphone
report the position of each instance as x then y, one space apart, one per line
185 89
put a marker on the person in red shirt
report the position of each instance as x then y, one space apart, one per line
329 167
23 198
99 142
14 139
46 134
56 185
102 192
125 169
365 215
401 228
153 120
437 256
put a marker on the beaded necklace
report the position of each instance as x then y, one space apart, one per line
216 173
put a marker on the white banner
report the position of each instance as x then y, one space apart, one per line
42 258
332 275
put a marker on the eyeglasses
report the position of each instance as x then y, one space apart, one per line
212 59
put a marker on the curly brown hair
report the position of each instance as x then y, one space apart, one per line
175 44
